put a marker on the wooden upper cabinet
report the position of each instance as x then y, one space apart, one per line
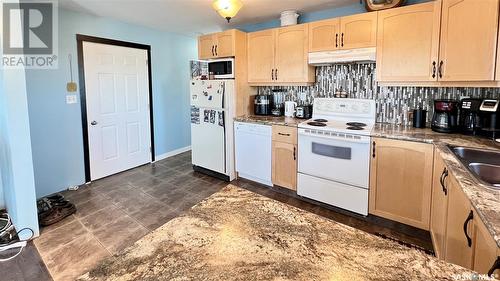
291 54
260 56
206 46
358 31
469 30
279 56
324 35
439 206
401 180
458 250
216 45
224 46
497 69
408 43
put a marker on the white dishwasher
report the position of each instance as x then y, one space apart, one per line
253 144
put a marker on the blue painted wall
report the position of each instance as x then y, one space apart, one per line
56 126
16 164
315 16
2 200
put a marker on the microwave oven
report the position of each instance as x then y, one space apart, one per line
221 68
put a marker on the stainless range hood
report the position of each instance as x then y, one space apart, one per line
343 56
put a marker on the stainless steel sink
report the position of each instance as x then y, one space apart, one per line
483 164
474 155
487 173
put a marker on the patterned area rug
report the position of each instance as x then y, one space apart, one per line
239 235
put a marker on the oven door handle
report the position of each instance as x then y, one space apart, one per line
362 139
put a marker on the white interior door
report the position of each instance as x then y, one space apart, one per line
117 99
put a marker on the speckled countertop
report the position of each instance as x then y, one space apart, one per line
484 200
239 235
270 120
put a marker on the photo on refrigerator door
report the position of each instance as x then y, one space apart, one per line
206 115
195 115
212 116
221 118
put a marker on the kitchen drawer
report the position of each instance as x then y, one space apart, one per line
285 134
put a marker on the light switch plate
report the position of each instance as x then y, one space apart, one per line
71 99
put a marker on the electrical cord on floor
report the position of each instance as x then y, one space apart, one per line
8 224
20 245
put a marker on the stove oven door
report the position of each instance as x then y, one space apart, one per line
341 158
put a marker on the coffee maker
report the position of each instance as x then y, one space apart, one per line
445 116
469 121
262 104
490 117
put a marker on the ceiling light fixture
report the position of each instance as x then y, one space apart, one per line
227 8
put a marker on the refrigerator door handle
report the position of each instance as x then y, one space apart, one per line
223 94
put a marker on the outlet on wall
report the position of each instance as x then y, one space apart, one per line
71 99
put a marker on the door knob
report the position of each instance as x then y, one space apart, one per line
93 123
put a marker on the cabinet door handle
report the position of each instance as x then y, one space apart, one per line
443 177
496 265
272 74
342 40
373 150
213 54
276 74
440 69
466 224
336 40
216 50
433 69
282 134
294 153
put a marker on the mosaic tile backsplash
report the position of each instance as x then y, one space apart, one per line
358 81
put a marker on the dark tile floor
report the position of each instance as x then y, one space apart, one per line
116 211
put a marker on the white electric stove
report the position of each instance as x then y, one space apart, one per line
334 153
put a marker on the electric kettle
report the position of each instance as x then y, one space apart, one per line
290 108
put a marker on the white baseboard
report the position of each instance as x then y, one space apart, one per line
172 153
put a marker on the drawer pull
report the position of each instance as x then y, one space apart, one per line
496 265
466 223
282 134
373 149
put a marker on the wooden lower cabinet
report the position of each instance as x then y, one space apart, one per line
401 181
439 206
486 251
453 221
284 158
284 165
459 226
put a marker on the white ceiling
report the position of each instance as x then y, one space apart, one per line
193 17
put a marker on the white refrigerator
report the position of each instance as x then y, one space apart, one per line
212 113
